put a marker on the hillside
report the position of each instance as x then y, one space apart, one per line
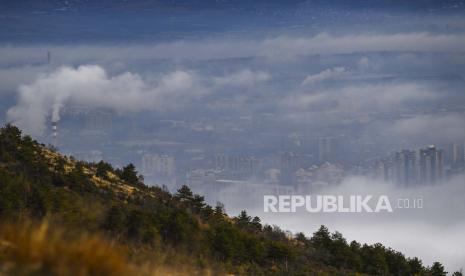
61 216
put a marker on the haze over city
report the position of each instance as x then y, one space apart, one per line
240 99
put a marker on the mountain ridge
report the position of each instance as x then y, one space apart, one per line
158 230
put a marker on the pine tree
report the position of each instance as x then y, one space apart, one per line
438 269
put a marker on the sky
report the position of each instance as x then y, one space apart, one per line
384 74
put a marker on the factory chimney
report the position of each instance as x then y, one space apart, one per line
55 133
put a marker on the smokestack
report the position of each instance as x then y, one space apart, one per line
55 133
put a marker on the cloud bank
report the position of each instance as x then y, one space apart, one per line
277 47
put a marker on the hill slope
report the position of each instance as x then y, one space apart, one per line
66 217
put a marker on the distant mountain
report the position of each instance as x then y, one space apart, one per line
61 216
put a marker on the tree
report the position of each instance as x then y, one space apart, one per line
340 250
140 228
198 203
256 224
184 194
219 209
321 238
416 266
355 260
279 252
301 237
458 273
438 269
102 169
374 261
397 263
11 132
115 220
243 219
129 174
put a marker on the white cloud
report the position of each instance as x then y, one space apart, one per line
355 99
243 78
328 74
439 128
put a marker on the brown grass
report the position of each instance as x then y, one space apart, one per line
29 248
39 249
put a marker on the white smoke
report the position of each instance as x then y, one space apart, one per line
56 112
91 86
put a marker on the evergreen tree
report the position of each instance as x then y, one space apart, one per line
102 169
129 174
184 194
416 266
243 219
438 269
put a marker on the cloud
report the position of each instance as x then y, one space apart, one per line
324 43
359 99
90 85
12 77
328 74
275 47
424 128
243 78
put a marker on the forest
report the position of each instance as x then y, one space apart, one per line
61 216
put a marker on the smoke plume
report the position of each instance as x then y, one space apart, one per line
90 85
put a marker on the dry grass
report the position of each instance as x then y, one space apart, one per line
38 249
29 248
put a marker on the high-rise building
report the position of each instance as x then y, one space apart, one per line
385 169
290 162
408 167
457 155
327 149
158 165
431 165
405 169
237 166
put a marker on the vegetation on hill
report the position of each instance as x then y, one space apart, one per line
60 216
